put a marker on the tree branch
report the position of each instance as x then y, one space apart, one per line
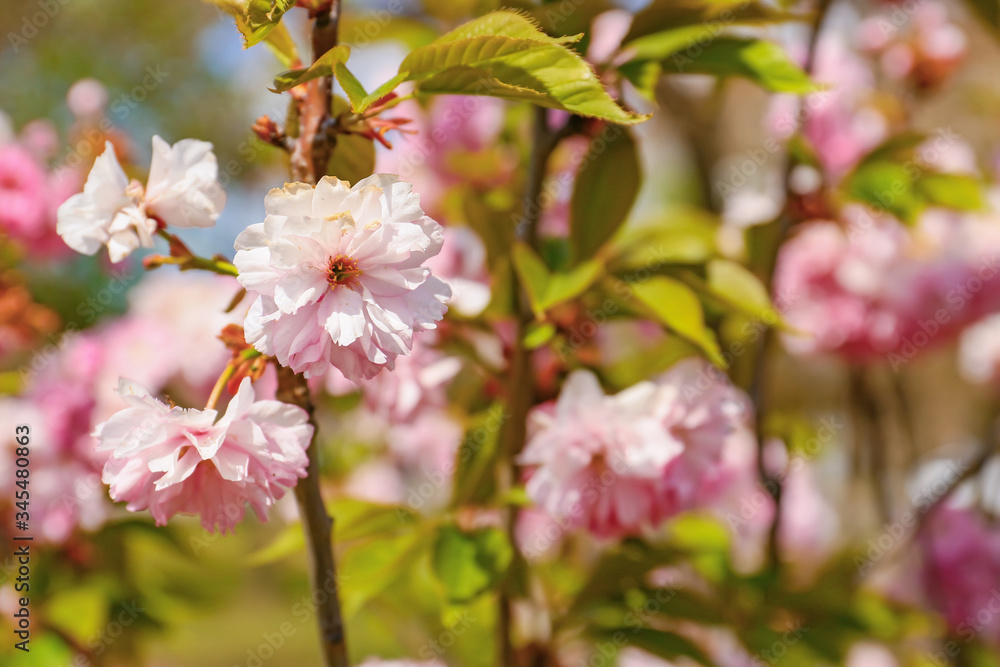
318 527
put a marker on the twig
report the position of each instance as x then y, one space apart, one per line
318 526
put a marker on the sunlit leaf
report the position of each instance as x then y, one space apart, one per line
546 289
263 16
538 334
709 15
677 307
291 540
470 563
505 55
763 62
323 66
739 288
276 37
952 191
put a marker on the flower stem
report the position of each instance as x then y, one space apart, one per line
220 384
318 527
181 256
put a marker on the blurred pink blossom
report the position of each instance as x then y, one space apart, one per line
462 265
841 123
961 574
618 464
885 291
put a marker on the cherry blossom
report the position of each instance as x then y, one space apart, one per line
600 458
182 191
961 553
172 460
339 276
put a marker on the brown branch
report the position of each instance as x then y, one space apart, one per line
318 526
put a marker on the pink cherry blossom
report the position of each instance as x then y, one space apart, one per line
173 460
339 276
66 492
600 459
701 409
22 192
618 464
881 290
961 553
842 123
29 196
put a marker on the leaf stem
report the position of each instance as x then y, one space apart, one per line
220 384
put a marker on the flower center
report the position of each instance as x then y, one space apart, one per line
342 270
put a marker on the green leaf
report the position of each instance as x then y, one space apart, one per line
892 177
712 15
659 46
364 103
505 23
505 55
369 568
538 334
682 235
360 519
885 185
80 611
659 642
763 62
739 288
263 16
324 66
276 38
596 210
475 459
353 158
546 289
952 191
677 307
643 75
352 87
469 563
